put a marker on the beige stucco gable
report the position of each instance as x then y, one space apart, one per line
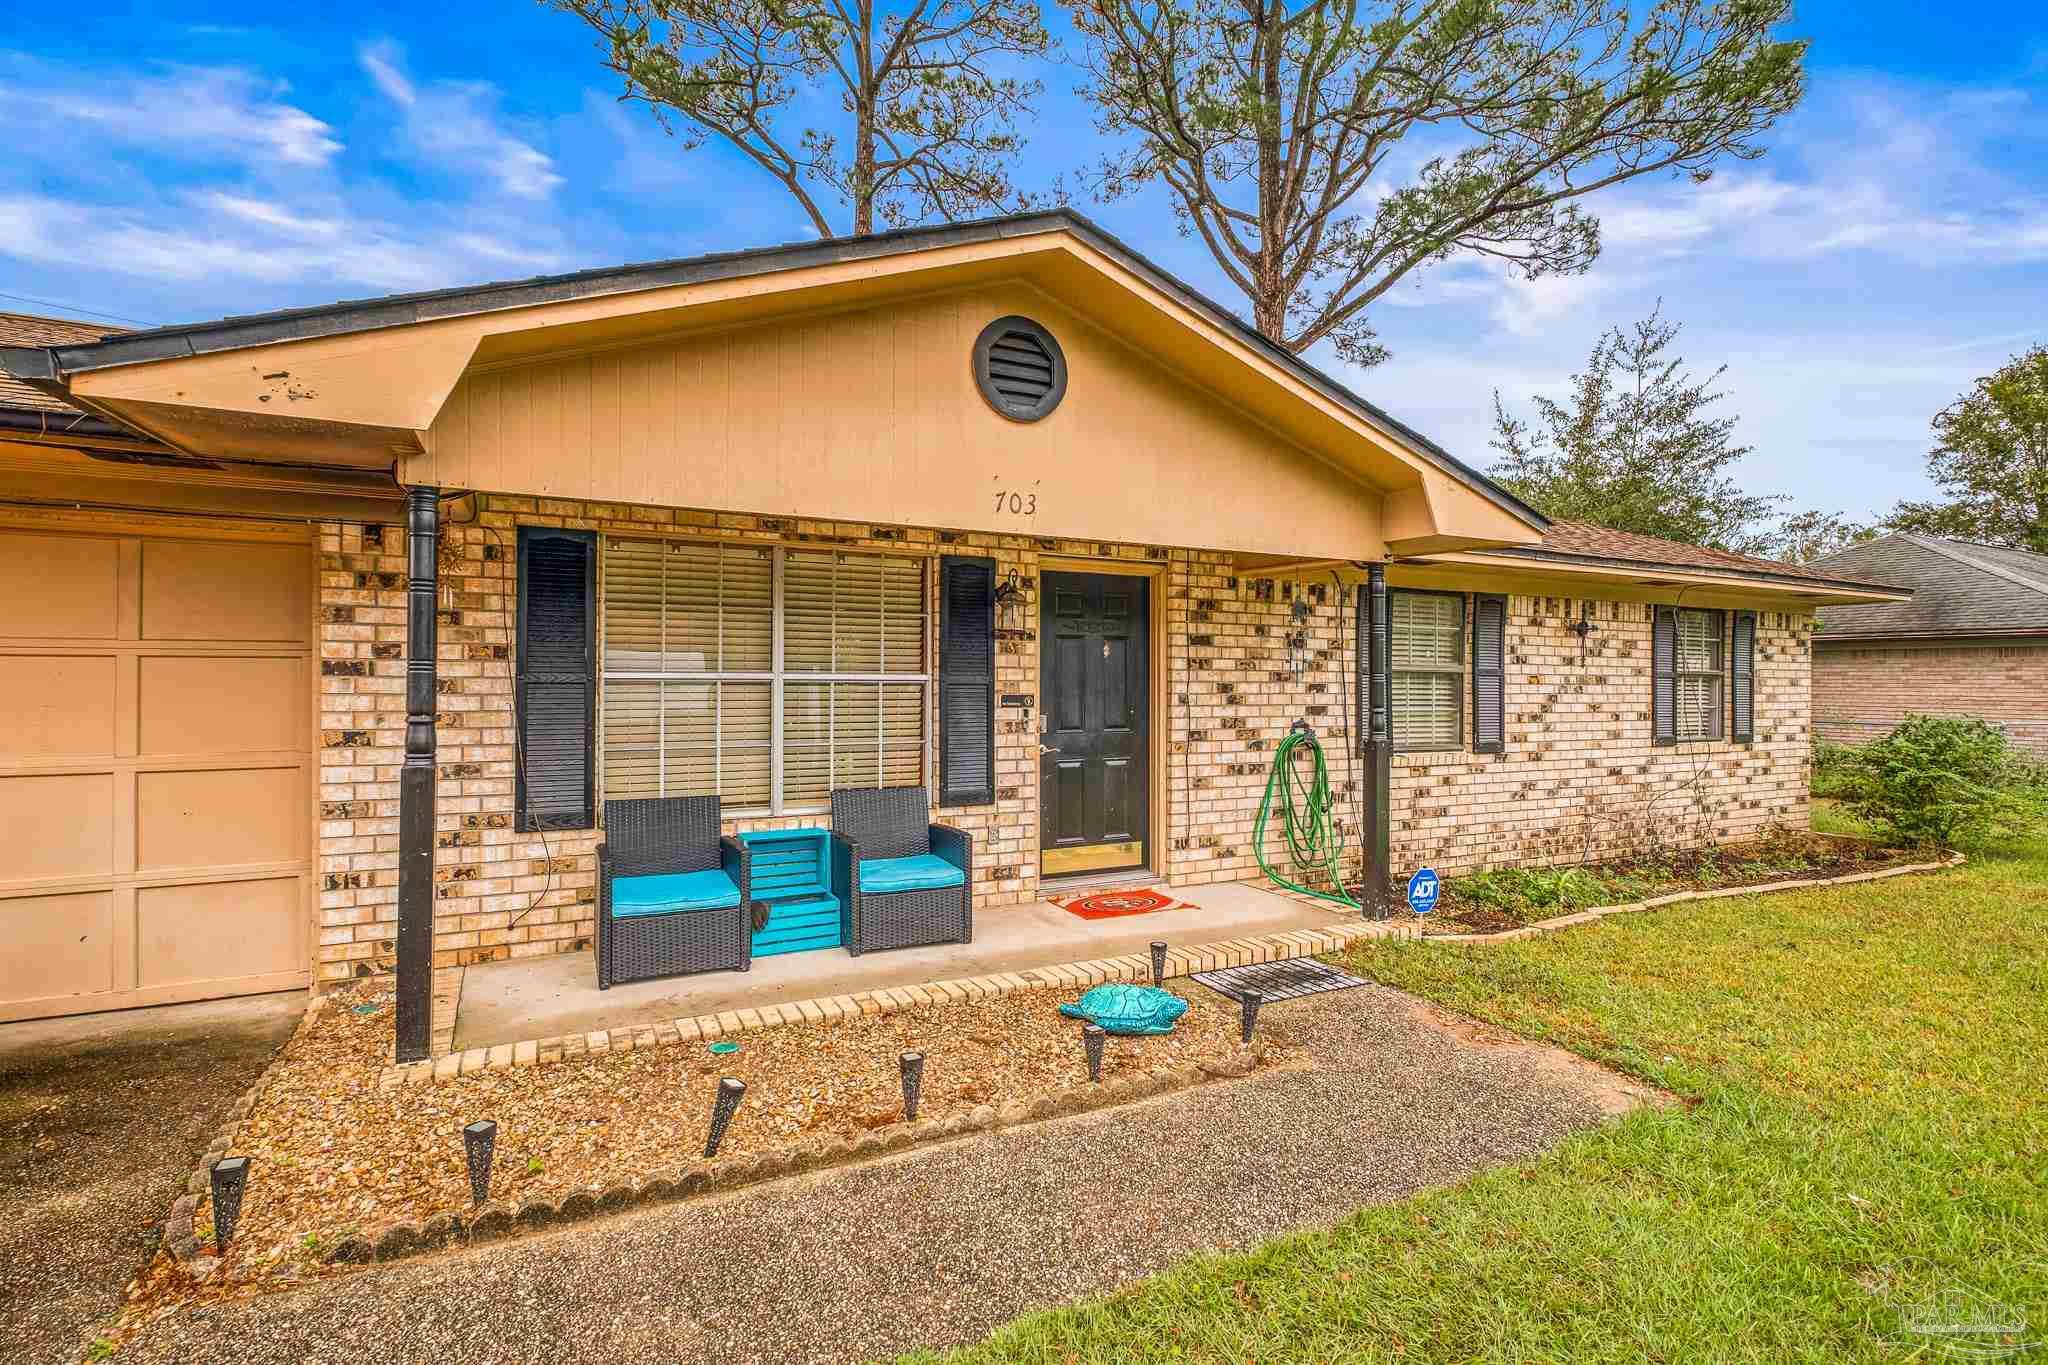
745 381
873 415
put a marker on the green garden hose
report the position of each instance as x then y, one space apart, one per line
1312 841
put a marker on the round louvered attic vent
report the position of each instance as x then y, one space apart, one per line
1020 368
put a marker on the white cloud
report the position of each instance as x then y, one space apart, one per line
222 238
455 125
188 113
1932 178
264 213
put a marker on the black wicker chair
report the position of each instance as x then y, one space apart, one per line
674 920
884 836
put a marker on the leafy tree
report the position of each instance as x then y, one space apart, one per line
901 112
1992 461
1637 448
1807 536
1938 778
1323 149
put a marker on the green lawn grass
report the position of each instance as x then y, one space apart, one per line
1866 1076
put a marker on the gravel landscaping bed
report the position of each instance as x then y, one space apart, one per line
338 1165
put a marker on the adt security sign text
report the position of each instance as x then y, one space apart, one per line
1422 889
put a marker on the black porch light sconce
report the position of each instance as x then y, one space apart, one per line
730 1091
1248 1013
1582 628
230 1180
1158 961
1092 1039
1011 598
911 1064
479 1144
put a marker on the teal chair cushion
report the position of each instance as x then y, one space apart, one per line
919 872
671 892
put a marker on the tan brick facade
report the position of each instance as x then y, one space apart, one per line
1862 690
1580 776
1579 772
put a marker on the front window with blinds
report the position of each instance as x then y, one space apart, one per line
1697 709
1426 669
763 675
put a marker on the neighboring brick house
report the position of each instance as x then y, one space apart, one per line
1972 641
999 509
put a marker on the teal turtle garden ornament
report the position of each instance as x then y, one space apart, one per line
1128 1009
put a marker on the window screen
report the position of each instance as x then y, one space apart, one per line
763 675
1697 711
1426 669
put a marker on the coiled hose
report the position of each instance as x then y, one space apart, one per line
1312 841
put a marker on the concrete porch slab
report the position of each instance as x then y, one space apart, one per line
507 1002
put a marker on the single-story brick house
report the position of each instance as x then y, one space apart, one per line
998 507
1971 641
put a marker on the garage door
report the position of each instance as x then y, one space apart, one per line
155 726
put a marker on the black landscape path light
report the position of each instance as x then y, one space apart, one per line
1248 1008
1092 1038
230 1179
479 1142
912 1064
729 1092
1158 961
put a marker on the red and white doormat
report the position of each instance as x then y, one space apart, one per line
1139 900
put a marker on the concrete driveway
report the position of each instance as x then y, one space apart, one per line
937 1246
102 1119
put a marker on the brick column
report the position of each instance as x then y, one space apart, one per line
416 778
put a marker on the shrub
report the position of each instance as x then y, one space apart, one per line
1939 778
1834 768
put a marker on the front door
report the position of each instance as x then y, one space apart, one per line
1094 758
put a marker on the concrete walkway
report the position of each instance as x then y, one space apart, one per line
937 1246
102 1118
509 1002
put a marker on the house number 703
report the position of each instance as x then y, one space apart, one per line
1018 502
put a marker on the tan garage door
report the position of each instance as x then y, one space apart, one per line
155 807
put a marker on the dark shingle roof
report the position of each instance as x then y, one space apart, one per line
25 329
1959 589
1583 540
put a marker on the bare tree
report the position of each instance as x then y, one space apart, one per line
1323 149
923 108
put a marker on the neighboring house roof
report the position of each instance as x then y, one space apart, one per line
1959 588
1583 541
26 329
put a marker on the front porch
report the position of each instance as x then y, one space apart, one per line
492 1007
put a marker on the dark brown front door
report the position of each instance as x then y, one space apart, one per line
1094 760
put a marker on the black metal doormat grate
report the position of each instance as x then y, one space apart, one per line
1279 980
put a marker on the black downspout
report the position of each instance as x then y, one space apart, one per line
1379 750
416 778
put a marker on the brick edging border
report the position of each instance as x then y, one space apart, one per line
1132 967
1552 925
500 1219
177 1235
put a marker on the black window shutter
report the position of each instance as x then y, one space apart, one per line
967 681
557 679
1489 674
1664 675
1742 679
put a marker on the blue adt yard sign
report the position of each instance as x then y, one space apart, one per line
1422 889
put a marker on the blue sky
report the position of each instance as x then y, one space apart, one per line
169 163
